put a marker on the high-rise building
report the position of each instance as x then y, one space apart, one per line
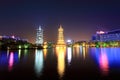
60 41
39 36
113 35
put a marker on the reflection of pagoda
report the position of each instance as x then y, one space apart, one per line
61 61
60 41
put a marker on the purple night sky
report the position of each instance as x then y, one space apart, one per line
79 18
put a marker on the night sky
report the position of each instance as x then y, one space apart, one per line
79 18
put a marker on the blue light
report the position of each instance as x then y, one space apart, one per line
5 57
113 55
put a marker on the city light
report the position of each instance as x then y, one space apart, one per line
39 36
60 41
104 63
13 36
69 55
11 61
45 52
100 32
19 53
61 61
84 52
38 62
25 46
45 46
69 41
20 46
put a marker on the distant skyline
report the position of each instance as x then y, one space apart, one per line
80 19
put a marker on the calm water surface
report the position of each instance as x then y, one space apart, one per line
80 63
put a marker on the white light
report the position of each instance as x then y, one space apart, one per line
69 55
100 32
13 36
38 62
68 40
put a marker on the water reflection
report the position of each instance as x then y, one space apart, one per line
76 52
3 59
69 55
61 60
80 51
11 60
8 52
84 64
25 52
77 49
8 59
45 53
38 62
107 58
103 61
84 51
19 53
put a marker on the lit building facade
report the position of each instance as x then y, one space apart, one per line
60 36
13 38
113 35
39 36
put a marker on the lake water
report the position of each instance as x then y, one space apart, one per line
80 63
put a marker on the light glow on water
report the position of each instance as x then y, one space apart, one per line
61 61
69 55
45 53
19 53
104 65
38 62
107 58
84 52
11 60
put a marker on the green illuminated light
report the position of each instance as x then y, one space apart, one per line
20 47
25 46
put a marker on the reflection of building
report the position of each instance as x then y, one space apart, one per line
60 41
38 62
11 61
12 38
69 55
107 36
83 51
8 59
39 36
103 62
45 52
61 60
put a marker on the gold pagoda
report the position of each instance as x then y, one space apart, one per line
60 41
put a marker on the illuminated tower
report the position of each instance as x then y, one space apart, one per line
39 36
60 36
